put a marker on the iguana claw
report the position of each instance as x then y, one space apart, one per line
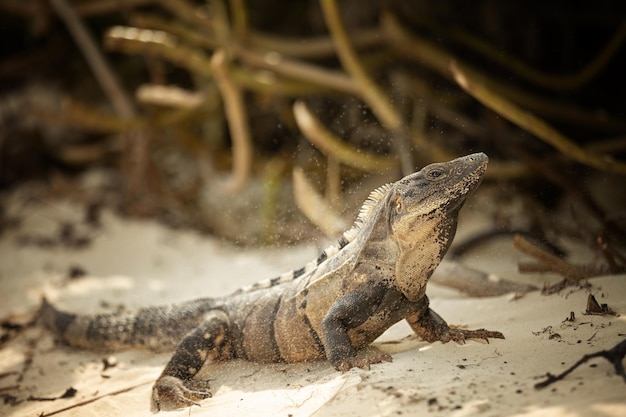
170 393
362 361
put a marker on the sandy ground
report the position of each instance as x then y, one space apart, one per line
133 263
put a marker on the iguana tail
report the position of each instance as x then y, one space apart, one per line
158 329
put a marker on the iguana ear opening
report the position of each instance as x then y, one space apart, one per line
399 205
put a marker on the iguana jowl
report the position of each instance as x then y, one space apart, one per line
375 276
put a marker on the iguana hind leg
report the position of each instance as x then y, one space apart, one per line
207 343
431 327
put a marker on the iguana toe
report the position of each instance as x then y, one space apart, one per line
170 393
362 361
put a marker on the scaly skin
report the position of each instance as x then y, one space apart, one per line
375 276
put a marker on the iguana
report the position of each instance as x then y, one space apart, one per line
373 277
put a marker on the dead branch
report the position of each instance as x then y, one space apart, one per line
331 145
532 123
237 121
615 355
97 62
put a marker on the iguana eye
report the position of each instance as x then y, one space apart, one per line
434 174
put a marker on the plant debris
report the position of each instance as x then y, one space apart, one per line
69 393
615 356
595 308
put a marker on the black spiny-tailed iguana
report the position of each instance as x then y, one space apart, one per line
373 277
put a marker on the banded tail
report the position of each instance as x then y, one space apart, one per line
158 329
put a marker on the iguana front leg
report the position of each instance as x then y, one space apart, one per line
207 343
348 312
431 327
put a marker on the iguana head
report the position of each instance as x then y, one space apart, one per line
423 210
439 189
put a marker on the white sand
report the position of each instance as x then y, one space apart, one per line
134 263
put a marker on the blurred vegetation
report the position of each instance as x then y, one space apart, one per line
199 112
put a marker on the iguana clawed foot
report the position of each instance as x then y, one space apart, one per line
170 393
460 335
361 361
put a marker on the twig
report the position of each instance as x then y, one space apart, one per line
475 283
431 56
158 43
271 85
374 96
161 43
169 96
240 18
461 247
552 81
237 121
533 124
274 61
614 355
94 399
96 61
313 206
312 47
221 27
189 12
330 145
298 70
548 262
179 30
